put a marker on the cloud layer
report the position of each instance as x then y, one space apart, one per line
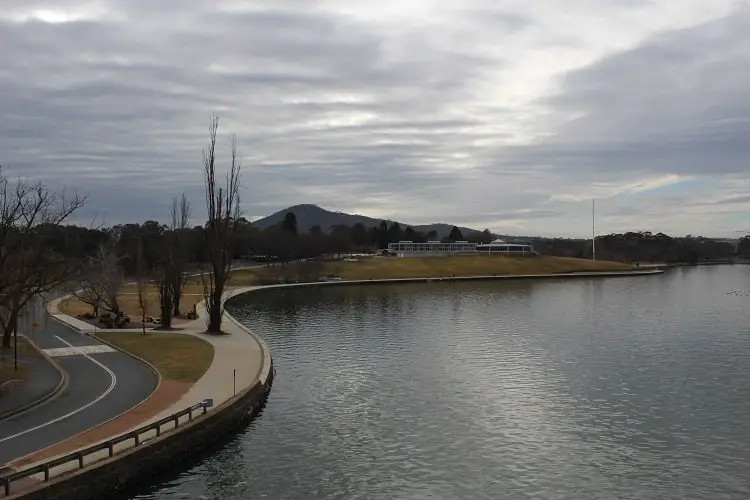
495 114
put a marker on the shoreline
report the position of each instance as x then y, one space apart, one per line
232 294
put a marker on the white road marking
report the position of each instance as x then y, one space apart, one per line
72 351
77 410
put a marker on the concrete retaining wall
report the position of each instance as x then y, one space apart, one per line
144 463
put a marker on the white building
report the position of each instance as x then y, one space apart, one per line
500 246
403 248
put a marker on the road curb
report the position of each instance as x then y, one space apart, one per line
100 424
54 393
67 325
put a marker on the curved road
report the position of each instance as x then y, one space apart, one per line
102 384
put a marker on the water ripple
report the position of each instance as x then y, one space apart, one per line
597 389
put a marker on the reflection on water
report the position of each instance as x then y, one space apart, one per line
612 388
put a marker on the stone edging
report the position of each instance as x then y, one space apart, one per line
54 393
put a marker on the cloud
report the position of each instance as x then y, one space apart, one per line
499 114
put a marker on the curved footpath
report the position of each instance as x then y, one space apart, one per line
241 359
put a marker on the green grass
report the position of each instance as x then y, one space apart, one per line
177 356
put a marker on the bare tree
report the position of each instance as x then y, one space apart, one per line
28 265
166 302
100 282
223 211
171 275
144 297
180 258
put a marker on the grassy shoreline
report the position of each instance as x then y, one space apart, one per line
420 267
366 268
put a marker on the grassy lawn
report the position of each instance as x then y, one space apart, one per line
177 357
421 267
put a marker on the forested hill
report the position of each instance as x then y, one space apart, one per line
309 216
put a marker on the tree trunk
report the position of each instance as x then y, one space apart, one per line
10 326
166 311
214 317
214 321
176 296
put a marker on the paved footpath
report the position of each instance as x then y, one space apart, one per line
240 359
102 383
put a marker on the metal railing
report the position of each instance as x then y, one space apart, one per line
109 445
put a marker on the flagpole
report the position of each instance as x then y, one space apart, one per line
593 228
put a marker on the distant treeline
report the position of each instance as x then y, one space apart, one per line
285 242
645 247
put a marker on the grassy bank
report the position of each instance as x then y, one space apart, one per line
179 357
420 267
364 269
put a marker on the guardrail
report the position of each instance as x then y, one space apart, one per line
79 456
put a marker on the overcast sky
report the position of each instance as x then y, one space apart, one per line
505 114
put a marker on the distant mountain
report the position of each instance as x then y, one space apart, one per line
309 215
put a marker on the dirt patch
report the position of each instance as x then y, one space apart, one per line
168 393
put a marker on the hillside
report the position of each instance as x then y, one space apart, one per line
309 215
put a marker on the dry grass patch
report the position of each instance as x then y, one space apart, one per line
177 356
128 300
425 267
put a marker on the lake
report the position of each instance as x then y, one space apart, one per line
554 389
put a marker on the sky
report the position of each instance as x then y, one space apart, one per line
502 114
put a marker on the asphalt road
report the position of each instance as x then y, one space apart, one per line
100 386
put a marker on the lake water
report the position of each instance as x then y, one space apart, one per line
582 389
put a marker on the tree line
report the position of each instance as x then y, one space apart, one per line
645 247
